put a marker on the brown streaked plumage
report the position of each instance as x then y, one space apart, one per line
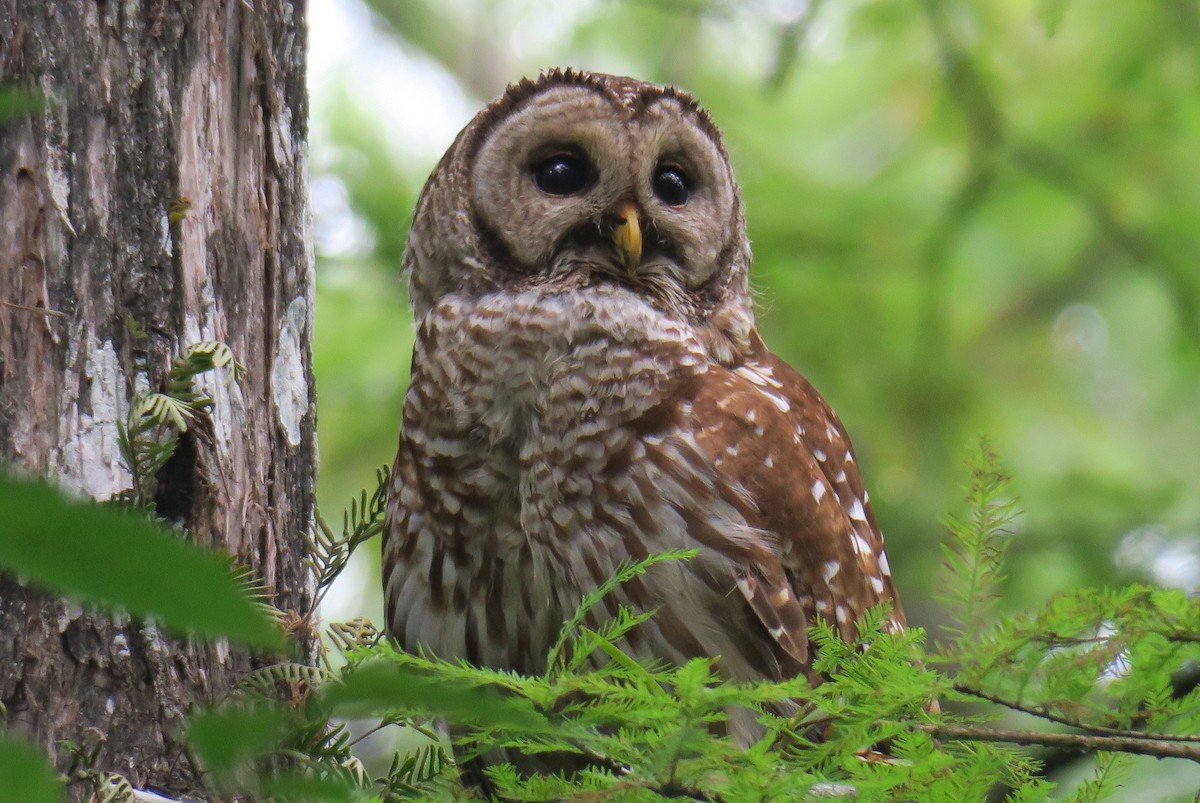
578 399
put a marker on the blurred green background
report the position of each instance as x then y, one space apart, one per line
968 218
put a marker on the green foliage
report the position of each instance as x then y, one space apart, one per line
1099 663
1100 658
123 560
648 732
24 773
974 554
275 738
410 771
267 749
328 554
150 433
223 739
84 772
1100 669
1110 769
15 102
575 643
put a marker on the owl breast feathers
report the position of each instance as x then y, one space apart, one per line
588 386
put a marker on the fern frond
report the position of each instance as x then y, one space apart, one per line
409 771
328 554
159 409
113 788
147 438
200 358
355 634
283 680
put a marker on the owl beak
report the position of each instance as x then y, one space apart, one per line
627 234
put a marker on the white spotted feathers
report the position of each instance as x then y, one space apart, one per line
579 399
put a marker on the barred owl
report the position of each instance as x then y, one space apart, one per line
588 386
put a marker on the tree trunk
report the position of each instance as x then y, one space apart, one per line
161 188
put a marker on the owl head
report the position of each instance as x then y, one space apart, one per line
576 180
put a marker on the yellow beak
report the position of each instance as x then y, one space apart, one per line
627 234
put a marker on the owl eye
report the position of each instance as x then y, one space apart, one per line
562 174
670 185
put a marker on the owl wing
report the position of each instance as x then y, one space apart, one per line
773 439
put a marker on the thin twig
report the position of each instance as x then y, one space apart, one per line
1044 713
667 791
1142 746
36 310
671 788
368 732
792 37
617 768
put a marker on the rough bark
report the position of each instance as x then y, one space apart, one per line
152 105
